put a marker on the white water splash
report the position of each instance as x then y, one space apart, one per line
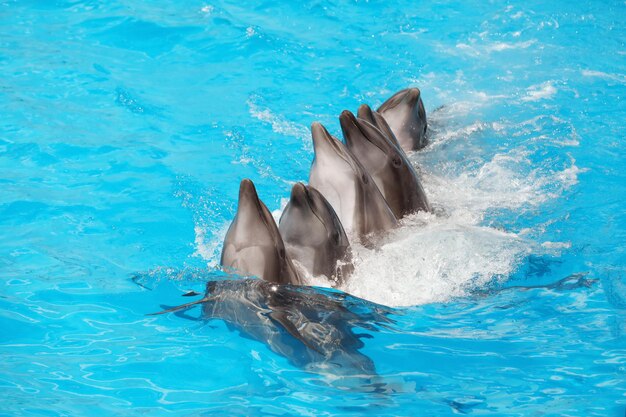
503 46
433 261
482 46
540 92
433 258
209 246
280 125
278 212
620 78
507 181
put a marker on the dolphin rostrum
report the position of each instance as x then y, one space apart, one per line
406 116
314 236
253 245
366 113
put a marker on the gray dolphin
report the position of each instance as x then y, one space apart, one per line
347 186
314 236
309 326
387 165
253 245
406 116
366 113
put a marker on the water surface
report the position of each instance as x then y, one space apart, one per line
127 126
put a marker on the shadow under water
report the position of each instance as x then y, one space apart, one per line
314 328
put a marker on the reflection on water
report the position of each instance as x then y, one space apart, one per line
316 329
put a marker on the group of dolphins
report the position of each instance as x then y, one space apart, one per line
357 190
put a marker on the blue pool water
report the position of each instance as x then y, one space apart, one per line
126 127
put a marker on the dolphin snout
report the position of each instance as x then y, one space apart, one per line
349 126
365 112
299 195
248 197
247 189
411 96
324 144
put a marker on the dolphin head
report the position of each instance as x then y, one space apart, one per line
253 245
387 164
405 114
300 224
371 147
313 233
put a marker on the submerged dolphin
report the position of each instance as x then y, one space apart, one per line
406 116
314 236
306 325
253 245
347 186
387 165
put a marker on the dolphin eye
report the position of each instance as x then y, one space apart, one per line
281 252
365 179
396 161
335 236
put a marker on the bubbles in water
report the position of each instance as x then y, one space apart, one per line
209 247
211 214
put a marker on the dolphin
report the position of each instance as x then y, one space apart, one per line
388 165
347 186
253 245
309 326
314 236
365 112
406 116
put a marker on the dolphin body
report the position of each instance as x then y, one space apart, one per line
348 187
314 236
387 164
253 245
313 328
406 116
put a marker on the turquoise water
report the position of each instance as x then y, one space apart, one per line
127 126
